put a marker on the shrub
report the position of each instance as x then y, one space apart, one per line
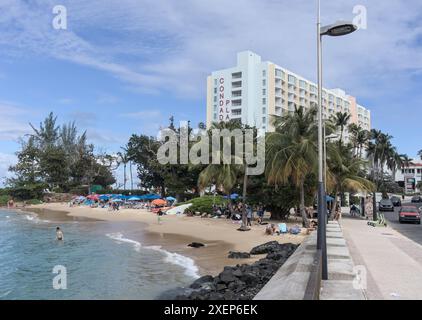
33 202
3 200
204 204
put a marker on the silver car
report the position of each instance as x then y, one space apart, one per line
386 205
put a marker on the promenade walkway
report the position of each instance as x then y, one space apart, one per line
393 262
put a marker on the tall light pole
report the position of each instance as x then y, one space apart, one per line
336 29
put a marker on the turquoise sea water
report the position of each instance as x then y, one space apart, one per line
102 261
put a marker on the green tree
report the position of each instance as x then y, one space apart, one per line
341 120
292 153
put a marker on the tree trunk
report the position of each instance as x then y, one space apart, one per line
244 225
131 176
124 176
305 221
335 201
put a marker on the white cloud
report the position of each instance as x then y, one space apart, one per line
13 122
6 160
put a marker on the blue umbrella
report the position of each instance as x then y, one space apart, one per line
234 196
135 198
170 199
104 197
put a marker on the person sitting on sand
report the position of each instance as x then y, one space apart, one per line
59 234
270 229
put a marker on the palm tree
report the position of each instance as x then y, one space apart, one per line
420 154
122 158
291 152
341 120
345 172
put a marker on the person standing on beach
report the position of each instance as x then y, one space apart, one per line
59 234
159 214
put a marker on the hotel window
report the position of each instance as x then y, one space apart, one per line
292 79
331 98
215 98
236 103
264 101
313 89
302 84
264 92
236 84
279 73
215 108
264 110
215 90
237 112
264 120
237 75
264 73
237 93
215 116
264 82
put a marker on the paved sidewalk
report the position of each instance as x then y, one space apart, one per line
393 262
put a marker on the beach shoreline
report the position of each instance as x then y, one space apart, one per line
174 233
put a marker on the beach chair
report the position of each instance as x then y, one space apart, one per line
282 227
381 222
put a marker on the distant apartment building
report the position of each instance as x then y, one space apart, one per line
409 176
254 90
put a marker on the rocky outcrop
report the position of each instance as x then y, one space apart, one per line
239 255
241 282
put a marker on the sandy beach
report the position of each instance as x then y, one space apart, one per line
176 232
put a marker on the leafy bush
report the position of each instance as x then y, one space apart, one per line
33 202
27 192
204 204
3 200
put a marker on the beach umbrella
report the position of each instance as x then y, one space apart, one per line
135 198
159 202
152 196
104 197
170 199
117 200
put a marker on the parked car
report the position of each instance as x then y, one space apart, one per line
386 205
409 214
396 201
416 199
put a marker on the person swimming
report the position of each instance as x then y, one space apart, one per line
59 234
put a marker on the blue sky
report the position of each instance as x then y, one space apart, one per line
126 66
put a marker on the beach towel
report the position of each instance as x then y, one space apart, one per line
282 227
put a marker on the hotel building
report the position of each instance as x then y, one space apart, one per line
254 90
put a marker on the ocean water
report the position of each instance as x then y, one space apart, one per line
103 261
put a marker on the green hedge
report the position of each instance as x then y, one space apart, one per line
3 200
204 204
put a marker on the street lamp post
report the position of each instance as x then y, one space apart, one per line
336 29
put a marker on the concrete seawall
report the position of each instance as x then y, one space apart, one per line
300 277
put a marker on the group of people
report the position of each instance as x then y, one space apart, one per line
235 212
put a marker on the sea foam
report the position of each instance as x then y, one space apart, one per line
187 263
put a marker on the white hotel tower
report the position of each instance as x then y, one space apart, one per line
253 90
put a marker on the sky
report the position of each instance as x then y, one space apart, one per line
125 66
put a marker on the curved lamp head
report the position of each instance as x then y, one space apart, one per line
340 28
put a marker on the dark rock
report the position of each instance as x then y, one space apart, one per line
196 245
244 281
265 248
239 255
227 276
237 273
201 281
221 287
